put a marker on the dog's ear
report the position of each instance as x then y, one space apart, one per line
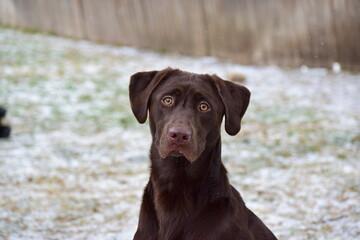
142 84
236 100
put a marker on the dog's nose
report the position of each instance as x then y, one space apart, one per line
179 135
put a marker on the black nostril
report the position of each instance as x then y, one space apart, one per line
173 135
185 137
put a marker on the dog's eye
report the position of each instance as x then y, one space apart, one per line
204 107
168 101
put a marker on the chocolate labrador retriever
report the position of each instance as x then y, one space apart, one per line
188 195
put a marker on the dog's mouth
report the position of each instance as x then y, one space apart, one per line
177 151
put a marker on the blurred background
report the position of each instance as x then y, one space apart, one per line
76 162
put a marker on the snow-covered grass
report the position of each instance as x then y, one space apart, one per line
77 161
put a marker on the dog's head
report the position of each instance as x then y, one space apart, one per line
186 109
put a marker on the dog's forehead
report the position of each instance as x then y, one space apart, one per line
189 81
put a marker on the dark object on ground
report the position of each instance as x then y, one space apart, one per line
188 195
4 130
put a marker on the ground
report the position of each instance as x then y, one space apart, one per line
77 162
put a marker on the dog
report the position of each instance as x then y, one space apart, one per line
188 196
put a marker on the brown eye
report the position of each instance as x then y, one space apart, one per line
204 107
168 101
